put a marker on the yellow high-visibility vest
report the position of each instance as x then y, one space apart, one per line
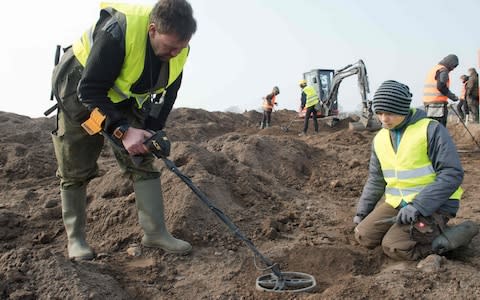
312 97
409 170
136 33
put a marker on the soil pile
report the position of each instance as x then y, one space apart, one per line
294 197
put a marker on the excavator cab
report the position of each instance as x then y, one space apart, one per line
321 80
327 82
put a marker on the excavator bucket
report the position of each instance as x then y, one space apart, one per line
371 124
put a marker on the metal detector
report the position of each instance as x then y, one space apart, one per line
455 111
276 281
286 128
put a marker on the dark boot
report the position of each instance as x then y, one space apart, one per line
74 202
454 237
148 197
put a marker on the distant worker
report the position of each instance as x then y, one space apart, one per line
269 102
472 94
309 99
110 82
462 106
436 90
415 164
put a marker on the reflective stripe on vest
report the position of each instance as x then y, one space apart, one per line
312 97
430 92
138 18
408 171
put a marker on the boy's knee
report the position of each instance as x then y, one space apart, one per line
400 250
364 239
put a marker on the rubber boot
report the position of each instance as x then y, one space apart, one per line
74 202
148 195
262 125
267 125
454 237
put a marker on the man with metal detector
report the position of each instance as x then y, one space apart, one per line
415 165
120 81
436 90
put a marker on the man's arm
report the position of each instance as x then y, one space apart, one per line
158 123
303 100
442 79
102 69
374 187
446 163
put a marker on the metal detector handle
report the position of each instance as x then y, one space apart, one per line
56 61
391 220
171 166
471 135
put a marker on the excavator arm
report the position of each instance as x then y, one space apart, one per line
367 118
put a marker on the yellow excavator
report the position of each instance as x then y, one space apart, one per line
326 82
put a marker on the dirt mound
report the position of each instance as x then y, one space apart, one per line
294 197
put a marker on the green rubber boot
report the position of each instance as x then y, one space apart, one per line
455 236
149 200
74 202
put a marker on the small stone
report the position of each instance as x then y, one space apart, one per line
430 264
335 183
51 203
134 251
102 255
217 253
130 198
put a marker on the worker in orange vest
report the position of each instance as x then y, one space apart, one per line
436 90
462 106
269 102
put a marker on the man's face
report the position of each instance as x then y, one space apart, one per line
389 120
165 45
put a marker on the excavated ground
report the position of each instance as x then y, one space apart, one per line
294 197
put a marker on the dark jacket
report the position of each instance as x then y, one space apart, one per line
450 62
445 161
102 69
471 90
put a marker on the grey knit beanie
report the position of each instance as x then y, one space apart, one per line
393 97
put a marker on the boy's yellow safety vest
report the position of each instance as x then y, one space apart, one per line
409 170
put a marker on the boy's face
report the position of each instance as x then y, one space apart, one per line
390 120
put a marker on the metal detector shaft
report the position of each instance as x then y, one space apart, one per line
455 111
171 166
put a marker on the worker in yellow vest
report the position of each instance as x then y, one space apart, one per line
309 100
269 102
415 165
436 90
120 81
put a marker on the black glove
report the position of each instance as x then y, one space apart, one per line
158 144
407 214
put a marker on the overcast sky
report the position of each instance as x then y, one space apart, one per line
243 48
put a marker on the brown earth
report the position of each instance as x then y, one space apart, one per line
294 197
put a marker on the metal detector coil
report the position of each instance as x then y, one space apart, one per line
277 281
293 282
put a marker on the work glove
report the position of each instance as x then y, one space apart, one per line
158 144
407 214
